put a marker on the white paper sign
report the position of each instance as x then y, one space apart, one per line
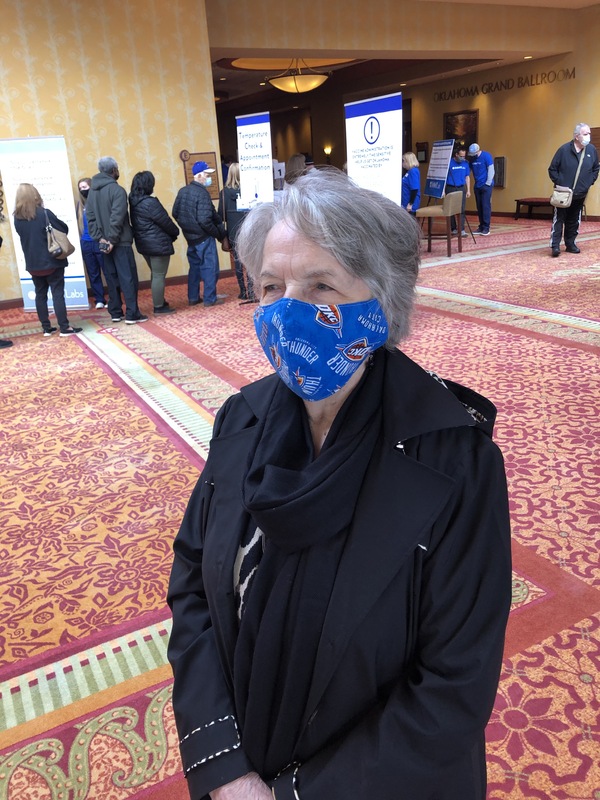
42 161
374 144
256 159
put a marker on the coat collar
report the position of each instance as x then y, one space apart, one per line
414 402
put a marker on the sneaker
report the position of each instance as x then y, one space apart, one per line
5 343
70 331
194 302
218 302
221 296
50 331
484 233
139 318
117 318
464 233
100 305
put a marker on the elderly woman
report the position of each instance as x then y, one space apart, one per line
342 575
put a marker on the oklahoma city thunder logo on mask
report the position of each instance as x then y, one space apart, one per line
315 349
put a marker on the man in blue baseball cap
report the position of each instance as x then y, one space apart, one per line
201 225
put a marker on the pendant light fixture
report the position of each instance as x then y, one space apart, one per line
298 78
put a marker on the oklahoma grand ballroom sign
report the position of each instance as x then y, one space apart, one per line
521 82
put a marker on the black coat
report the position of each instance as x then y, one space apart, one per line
229 213
34 241
153 229
563 168
408 666
195 214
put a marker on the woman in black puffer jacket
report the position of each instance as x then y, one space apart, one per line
154 233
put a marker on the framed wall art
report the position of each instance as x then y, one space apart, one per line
462 126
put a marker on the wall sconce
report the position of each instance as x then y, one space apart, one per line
327 150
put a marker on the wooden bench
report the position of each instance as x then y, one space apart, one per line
531 203
537 202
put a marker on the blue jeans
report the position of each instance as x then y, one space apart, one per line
204 266
92 258
483 198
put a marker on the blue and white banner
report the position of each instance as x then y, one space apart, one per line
256 159
43 162
374 144
441 153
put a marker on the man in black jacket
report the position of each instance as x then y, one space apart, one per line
201 225
562 171
108 224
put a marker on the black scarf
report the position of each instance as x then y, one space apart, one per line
304 506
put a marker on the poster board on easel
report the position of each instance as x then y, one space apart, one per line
441 153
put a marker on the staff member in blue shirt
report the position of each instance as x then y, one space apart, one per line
411 183
459 180
482 167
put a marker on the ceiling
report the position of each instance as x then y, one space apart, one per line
238 80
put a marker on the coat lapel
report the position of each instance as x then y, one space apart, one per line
398 503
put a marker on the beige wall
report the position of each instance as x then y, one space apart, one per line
114 78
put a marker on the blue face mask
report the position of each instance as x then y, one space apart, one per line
208 181
315 349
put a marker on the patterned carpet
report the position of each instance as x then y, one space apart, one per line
104 435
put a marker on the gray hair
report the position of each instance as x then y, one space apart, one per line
107 164
578 127
368 234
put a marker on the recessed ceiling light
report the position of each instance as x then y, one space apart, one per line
262 83
402 84
222 79
526 58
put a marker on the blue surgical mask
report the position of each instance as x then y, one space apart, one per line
585 139
208 181
315 349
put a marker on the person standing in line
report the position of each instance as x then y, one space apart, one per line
90 251
233 219
562 172
47 272
459 180
201 225
108 224
482 167
154 233
411 183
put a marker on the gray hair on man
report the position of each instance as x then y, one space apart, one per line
578 127
368 234
107 164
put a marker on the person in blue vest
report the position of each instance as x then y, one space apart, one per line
459 180
411 183
482 167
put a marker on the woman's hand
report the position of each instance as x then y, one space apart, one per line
248 787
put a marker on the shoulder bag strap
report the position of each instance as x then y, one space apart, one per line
578 169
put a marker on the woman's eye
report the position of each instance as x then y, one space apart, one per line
323 287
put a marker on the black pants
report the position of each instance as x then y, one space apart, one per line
120 271
462 189
567 218
56 283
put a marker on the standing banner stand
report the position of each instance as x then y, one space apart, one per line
43 162
256 160
374 144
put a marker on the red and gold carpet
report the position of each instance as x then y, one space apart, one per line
103 437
